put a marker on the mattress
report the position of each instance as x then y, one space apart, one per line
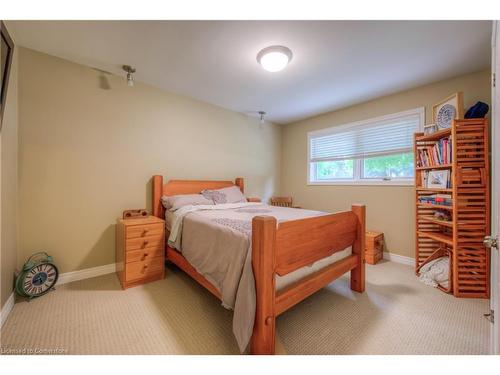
286 280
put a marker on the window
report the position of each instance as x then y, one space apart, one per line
375 151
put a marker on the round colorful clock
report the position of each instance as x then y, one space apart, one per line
39 275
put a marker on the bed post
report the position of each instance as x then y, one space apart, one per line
358 248
263 264
156 196
240 183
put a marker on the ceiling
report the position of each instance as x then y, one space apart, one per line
335 63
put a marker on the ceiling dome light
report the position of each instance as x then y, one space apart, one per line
274 58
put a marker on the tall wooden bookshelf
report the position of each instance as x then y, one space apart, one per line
469 210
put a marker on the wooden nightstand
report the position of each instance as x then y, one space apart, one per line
374 247
140 250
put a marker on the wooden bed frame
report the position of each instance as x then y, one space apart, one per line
278 249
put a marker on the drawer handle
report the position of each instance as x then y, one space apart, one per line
146 242
145 231
144 256
145 266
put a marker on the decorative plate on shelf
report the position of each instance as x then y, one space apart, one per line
445 116
447 110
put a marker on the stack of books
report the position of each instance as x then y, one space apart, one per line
437 154
441 199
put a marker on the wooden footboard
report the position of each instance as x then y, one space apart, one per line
279 250
284 248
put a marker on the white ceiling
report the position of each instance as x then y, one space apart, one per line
335 63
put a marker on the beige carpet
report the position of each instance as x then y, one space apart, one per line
396 315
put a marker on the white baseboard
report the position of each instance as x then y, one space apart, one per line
6 309
86 273
399 259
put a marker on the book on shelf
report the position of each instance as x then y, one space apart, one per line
440 199
436 153
437 179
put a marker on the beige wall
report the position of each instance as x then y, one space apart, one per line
89 146
390 209
8 258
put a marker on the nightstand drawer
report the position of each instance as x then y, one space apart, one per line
144 269
143 242
374 247
144 254
373 258
144 230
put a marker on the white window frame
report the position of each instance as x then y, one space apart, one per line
358 180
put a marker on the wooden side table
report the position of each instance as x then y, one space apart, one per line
374 247
140 250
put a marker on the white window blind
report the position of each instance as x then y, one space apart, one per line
391 134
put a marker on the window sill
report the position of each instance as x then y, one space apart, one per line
364 183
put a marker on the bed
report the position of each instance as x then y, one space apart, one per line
292 254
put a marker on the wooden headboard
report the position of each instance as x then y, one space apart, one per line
176 187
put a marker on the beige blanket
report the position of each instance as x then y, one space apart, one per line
216 241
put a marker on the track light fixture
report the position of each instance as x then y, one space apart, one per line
262 114
261 122
130 71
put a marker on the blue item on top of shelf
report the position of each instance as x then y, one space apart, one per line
478 110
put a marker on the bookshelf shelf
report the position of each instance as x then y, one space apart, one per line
434 136
431 219
435 206
436 190
437 166
461 149
440 237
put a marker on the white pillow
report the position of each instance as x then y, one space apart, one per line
230 194
175 202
